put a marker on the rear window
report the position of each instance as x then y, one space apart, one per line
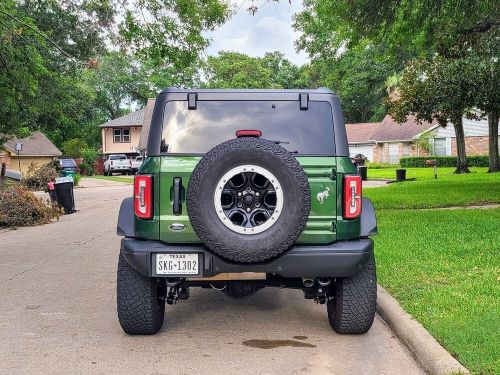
118 157
213 122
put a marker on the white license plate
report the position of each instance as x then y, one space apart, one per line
176 264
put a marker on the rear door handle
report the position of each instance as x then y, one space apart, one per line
177 196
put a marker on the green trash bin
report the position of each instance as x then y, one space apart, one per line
68 173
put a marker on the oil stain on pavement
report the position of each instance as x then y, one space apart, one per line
273 344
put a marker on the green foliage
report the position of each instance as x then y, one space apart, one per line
73 148
90 156
38 178
86 169
372 165
19 207
442 161
76 179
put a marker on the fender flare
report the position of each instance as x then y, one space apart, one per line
368 219
125 226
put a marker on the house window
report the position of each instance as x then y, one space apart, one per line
406 149
121 135
126 135
393 153
440 146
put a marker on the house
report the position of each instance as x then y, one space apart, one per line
122 135
387 141
37 150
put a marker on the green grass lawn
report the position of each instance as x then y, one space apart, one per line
443 266
448 190
418 173
127 180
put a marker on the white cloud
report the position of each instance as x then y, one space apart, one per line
270 29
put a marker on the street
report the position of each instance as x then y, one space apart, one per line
58 314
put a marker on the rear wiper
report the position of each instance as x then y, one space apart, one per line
281 142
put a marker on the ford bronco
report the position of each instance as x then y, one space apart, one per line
241 190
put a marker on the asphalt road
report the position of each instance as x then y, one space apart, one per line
58 314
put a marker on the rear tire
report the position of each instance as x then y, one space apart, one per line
352 308
140 301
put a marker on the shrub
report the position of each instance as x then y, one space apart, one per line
38 178
76 179
73 148
90 156
19 207
85 169
442 161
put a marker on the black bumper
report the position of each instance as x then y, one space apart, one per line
340 259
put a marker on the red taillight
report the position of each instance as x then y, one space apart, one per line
143 196
352 197
248 133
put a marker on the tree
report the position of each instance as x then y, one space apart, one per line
436 89
73 148
237 70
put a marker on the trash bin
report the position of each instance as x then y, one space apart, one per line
64 194
68 173
400 175
363 172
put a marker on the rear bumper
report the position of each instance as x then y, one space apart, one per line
340 259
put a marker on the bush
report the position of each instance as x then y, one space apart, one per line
73 148
38 178
19 207
86 169
76 179
442 161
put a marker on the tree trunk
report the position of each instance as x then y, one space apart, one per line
493 142
460 137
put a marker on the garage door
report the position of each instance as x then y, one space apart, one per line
366 150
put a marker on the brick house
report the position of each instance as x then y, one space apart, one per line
387 141
37 150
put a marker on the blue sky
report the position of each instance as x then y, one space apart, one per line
270 29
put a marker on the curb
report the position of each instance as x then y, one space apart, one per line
428 352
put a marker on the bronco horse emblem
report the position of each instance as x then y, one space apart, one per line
323 195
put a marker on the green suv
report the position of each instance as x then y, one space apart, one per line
241 190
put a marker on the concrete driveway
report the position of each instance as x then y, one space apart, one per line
58 314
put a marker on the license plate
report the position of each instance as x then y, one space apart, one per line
176 264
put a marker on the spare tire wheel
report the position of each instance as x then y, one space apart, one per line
248 200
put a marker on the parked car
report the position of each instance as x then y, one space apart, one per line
68 165
116 163
256 191
358 159
135 163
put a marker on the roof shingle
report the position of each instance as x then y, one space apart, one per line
37 144
362 132
132 119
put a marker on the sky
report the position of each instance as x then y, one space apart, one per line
270 29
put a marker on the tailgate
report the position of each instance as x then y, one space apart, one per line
175 172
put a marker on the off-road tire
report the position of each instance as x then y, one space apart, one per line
140 301
258 247
352 308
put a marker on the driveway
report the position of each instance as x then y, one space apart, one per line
58 315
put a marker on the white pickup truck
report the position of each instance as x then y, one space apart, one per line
116 164
135 164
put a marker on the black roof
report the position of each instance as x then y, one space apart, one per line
321 90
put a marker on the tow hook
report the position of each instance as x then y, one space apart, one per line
173 295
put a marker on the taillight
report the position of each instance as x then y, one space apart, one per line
352 197
248 133
143 196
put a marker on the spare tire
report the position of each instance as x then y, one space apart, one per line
248 200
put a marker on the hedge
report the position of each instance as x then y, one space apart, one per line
442 161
